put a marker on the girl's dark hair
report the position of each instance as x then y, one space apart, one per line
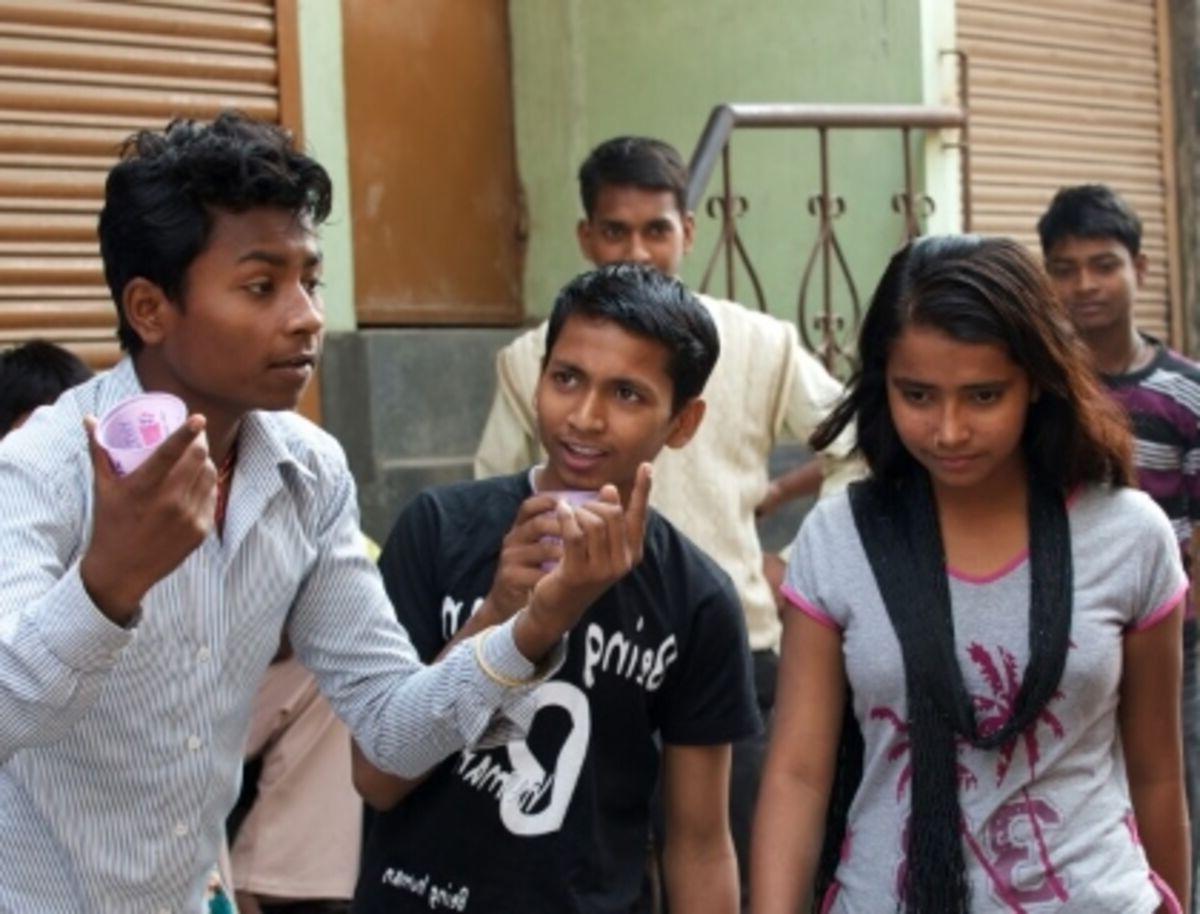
647 303
985 290
159 199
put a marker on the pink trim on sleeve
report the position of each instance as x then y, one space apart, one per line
831 895
815 613
1170 902
1161 612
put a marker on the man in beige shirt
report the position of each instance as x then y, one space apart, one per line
764 385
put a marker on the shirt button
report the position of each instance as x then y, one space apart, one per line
194 743
203 655
181 829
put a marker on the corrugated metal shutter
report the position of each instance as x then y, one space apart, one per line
76 78
1065 92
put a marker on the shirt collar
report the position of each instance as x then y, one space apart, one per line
265 439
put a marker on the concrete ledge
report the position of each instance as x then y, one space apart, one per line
408 406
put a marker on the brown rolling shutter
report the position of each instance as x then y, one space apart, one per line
1066 92
76 78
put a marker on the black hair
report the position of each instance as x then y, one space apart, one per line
1090 211
985 290
643 301
33 375
159 200
633 161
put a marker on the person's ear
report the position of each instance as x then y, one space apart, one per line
147 310
689 231
686 422
1141 264
583 234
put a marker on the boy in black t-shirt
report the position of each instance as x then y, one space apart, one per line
657 675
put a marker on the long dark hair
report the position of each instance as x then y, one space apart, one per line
985 290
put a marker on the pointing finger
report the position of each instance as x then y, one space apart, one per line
637 509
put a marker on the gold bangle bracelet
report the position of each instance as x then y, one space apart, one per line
507 681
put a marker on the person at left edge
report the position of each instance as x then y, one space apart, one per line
657 678
140 612
35 374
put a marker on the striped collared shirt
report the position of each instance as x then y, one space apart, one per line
121 749
1162 400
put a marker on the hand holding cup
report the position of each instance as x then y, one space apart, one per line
148 520
601 542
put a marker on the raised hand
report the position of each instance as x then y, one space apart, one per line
602 542
533 543
145 524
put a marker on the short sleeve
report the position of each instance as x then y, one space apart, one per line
409 569
712 700
1162 584
813 555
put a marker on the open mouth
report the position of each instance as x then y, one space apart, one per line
582 450
580 457
299 362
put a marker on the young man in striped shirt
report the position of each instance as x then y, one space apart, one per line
138 613
1091 241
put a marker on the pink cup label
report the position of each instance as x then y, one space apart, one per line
151 429
574 498
132 429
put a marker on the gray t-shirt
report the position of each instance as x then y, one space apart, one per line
1049 822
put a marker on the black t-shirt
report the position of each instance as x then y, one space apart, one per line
557 822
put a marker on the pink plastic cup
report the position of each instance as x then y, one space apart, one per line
574 498
133 429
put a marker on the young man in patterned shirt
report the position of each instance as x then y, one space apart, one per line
1091 241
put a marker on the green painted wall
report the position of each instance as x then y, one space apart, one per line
586 70
324 112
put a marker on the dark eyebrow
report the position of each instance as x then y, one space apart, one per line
978 385
274 259
642 389
628 382
562 364
268 257
987 385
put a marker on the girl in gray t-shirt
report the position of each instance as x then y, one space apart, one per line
999 612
